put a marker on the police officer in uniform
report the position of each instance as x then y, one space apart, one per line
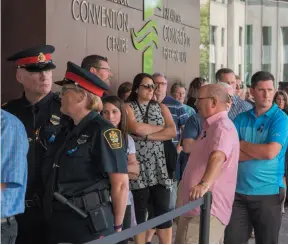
39 111
85 171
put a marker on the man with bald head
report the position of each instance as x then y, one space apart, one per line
212 166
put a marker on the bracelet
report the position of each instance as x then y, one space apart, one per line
117 227
204 184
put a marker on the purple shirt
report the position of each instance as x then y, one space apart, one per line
218 134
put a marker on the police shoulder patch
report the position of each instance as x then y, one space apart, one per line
114 138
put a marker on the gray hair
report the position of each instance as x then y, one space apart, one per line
158 74
175 86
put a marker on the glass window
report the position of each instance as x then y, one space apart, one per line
267 35
222 37
212 35
240 35
249 37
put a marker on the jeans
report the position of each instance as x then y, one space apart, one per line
9 232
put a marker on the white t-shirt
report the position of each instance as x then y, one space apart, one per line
130 150
131 146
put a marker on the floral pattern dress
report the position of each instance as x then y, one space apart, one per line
150 154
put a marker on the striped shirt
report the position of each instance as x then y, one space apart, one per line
238 106
14 149
178 113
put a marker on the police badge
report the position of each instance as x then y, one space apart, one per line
83 139
55 120
41 58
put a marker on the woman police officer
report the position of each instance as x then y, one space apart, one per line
86 165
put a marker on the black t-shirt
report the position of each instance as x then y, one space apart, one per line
42 122
84 155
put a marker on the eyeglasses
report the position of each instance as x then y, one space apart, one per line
161 84
240 86
148 86
104 68
64 89
203 98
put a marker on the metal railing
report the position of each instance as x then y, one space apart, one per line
204 228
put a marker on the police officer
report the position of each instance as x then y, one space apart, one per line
39 111
87 166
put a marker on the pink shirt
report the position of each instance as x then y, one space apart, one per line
218 133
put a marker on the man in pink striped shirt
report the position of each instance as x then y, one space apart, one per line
212 166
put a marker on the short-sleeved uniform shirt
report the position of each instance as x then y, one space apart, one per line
14 149
90 150
218 134
262 177
178 113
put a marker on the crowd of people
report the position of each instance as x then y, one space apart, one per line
85 164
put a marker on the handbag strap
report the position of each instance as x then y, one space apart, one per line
144 115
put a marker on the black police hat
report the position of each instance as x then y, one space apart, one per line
83 78
34 59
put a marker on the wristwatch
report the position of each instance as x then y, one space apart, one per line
204 184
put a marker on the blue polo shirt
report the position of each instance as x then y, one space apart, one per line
262 177
178 113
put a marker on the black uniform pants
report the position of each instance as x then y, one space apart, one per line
32 226
263 213
66 226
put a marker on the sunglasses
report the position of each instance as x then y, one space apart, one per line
148 86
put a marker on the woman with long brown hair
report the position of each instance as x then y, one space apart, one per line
114 111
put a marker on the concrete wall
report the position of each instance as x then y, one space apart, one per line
22 25
62 25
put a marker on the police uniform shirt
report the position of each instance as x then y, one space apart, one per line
88 151
42 123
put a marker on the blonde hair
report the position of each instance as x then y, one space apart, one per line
94 101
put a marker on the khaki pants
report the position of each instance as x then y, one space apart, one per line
188 230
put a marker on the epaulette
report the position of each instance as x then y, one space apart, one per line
11 104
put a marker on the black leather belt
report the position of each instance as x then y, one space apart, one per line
85 202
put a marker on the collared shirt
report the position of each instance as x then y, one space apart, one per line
189 110
262 177
238 106
193 127
178 113
218 134
14 151
86 153
42 122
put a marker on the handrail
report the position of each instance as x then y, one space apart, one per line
204 229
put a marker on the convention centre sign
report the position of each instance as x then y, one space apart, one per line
144 38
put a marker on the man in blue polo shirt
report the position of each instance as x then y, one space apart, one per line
263 134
